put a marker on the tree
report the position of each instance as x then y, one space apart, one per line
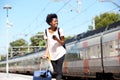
18 46
68 37
105 19
37 40
2 57
19 42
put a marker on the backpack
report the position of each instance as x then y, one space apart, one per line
58 34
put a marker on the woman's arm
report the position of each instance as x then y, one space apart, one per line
61 40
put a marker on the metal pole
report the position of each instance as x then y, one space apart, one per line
28 46
7 22
7 68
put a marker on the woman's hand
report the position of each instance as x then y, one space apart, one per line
44 56
54 37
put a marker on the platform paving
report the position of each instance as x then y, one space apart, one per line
4 76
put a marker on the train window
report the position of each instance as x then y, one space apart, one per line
83 53
3 65
93 51
10 64
106 49
109 48
72 56
28 62
37 60
22 62
111 45
13 64
25 62
31 61
115 45
19 63
98 46
72 52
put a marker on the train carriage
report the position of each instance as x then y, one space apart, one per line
84 55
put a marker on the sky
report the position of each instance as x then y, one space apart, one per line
28 17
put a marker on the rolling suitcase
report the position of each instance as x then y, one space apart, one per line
44 73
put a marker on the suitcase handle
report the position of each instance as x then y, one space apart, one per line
41 61
42 58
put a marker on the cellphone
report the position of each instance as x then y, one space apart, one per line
54 36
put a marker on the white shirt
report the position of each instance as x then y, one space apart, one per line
56 50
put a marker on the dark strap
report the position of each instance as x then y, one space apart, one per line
46 32
59 32
60 37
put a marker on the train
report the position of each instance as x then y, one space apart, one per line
92 54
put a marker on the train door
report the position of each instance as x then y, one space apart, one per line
118 43
85 60
84 55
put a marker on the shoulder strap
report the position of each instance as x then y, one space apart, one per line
59 36
46 32
58 32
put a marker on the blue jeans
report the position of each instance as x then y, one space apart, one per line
57 66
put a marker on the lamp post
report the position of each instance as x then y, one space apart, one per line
7 7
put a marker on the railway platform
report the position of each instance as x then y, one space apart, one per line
10 76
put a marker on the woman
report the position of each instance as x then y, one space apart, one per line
55 42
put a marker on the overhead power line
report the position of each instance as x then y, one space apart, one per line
39 15
77 15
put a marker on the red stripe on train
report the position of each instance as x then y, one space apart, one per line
65 67
119 59
85 44
86 66
118 35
